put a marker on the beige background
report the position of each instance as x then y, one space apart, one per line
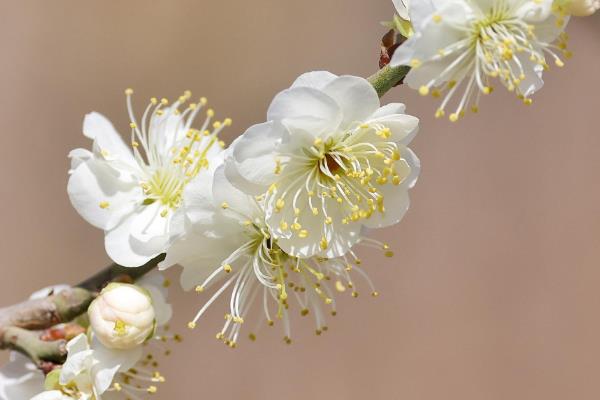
494 292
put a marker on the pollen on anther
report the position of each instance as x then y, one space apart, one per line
191 325
104 205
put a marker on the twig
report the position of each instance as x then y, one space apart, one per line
387 77
18 321
43 354
117 272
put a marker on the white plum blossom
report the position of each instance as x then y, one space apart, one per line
330 162
94 371
122 316
134 194
461 46
228 241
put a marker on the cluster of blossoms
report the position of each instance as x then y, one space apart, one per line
459 48
272 218
113 360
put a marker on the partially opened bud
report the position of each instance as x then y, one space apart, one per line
122 316
583 8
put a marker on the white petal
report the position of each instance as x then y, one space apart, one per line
355 96
396 205
314 79
50 395
101 130
389 109
242 204
124 249
306 109
251 157
149 226
403 127
99 195
79 156
110 361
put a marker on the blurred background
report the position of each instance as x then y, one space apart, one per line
493 292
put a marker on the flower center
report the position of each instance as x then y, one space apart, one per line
168 150
164 186
346 172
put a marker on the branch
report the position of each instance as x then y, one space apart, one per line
44 313
387 77
17 321
44 354
117 272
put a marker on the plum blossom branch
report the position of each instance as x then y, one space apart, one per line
387 77
21 324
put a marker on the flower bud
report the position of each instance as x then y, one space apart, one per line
583 8
122 316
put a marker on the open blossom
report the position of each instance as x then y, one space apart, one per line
134 194
460 47
94 371
330 161
229 246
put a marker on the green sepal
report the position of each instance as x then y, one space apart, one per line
52 380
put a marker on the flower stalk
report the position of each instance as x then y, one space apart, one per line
387 77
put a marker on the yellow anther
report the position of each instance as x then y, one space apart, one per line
104 205
423 90
318 142
252 337
453 117
151 389
203 100
227 122
374 294
224 205
199 289
210 112
283 225
279 204
323 243
303 233
559 63
227 268
328 220
129 91
132 125
191 325
339 286
437 18
304 312
415 63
